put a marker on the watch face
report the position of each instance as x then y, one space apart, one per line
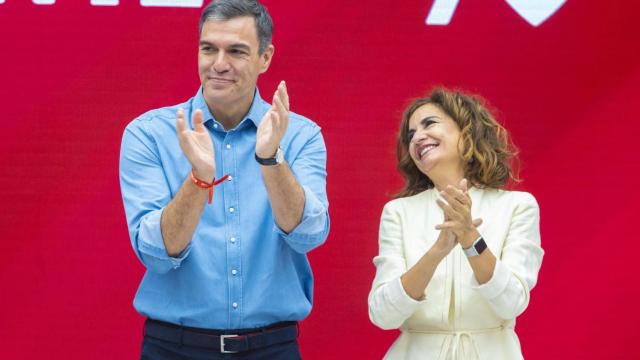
279 156
480 245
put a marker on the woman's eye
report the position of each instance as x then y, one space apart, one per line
410 135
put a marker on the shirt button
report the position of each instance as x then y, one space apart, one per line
230 178
231 209
234 272
233 240
215 126
228 146
235 305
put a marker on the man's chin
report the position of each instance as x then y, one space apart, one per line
217 95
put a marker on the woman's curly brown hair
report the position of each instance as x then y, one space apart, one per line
485 145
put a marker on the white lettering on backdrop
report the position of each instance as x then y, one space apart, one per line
535 12
165 3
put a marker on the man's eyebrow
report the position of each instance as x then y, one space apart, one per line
240 46
232 46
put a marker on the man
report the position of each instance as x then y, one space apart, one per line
226 271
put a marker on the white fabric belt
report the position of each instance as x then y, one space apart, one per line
453 342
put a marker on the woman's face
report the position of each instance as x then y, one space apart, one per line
434 139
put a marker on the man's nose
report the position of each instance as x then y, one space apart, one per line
221 64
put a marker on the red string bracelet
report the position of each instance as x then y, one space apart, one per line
205 185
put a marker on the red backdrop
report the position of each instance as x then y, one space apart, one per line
73 75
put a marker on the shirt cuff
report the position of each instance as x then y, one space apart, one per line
496 285
151 243
398 297
313 222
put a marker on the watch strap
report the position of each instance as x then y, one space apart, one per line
275 160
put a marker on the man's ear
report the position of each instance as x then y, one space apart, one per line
265 58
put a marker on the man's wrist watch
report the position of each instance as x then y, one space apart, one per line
477 248
277 159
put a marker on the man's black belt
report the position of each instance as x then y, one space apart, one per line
222 340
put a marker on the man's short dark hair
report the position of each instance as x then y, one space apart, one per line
229 9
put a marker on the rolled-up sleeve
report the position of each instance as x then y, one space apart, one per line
389 304
516 271
145 194
309 168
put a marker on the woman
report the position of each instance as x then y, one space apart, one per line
450 301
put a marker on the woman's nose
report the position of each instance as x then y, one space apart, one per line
418 137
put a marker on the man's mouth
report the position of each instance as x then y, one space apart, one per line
220 80
424 149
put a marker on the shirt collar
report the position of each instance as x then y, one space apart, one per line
257 110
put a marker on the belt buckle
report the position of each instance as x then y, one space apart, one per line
222 349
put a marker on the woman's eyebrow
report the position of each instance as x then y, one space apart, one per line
424 121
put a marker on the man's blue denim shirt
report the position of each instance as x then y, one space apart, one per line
240 269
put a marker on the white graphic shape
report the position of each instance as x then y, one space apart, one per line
172 3
44 2
441 12
105 2
536 11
